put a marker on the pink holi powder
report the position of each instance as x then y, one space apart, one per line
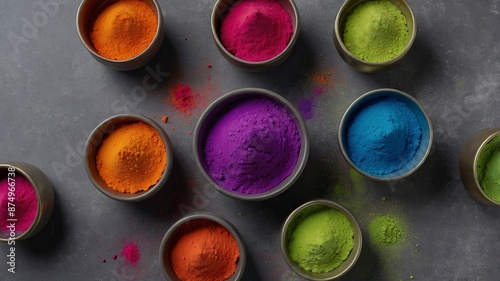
26 203
183 98
256 30
131 253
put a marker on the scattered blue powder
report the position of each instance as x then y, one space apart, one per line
383 136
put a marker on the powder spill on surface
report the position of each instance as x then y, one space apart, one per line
252 147
488 169
386 230
183 98
382 136
131 253
321 241
355 192
376 31
205 252
24 200
319 83
256 30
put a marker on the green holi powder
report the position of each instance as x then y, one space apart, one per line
376 31
386 230
322 241
488 169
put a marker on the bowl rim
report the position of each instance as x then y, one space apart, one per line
295 35
339 38
158 34
238 274
106 127
241 94
355 105
330 204
477 154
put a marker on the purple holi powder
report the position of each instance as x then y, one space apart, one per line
252 147
306 108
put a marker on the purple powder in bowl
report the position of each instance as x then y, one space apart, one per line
252 146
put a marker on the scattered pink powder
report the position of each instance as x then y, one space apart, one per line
183 98
256 30
25 202
131 253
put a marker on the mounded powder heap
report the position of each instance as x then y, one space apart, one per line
207 252
26 203
488 169
123 29
322 241
252 147
376 31
383 136
386 230
132 158
256 30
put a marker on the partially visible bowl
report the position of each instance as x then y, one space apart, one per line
220 9
94 142
84 19
472 162
220 106
362 65
44 193
425 143
297 216
189 223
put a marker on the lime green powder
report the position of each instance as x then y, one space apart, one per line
322 241
488 169
386 230
376 31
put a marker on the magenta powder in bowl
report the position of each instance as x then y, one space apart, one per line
20 207
256 30
251 144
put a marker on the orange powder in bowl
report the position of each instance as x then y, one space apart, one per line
132 158
206 253
123 29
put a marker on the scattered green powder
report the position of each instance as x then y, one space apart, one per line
386 230
376 31
322 241
488 169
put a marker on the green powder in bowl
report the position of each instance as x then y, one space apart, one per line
488 169
376 31
322 241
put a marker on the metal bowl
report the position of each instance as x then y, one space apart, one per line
84 19
470 160
44 194
187 223
361 65
300 214
94 142
425 143
220 105
218 12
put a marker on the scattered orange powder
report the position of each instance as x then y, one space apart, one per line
164 118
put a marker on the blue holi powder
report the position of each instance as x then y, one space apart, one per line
383 136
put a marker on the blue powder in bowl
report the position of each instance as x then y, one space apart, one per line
382 136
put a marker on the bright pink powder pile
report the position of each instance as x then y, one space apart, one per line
131 253
256 30
26 203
